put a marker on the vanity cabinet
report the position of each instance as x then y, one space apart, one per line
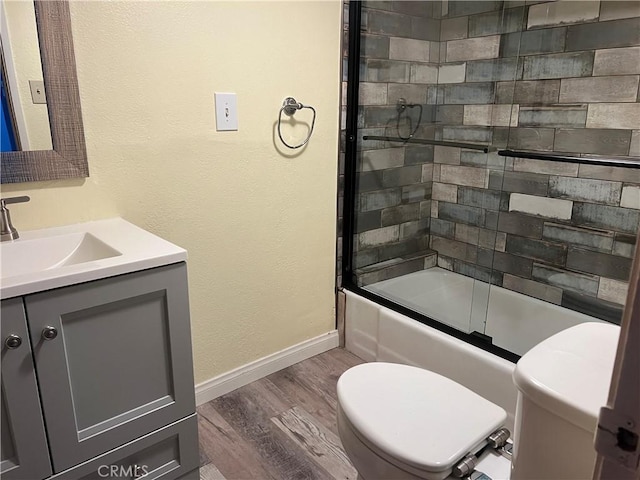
115 378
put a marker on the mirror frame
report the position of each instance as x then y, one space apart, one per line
68 159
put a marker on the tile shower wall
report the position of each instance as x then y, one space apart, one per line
561 77
557 77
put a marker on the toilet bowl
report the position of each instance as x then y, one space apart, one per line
407 423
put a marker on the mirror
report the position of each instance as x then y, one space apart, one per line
68 158
25 120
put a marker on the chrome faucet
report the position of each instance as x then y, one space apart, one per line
8 231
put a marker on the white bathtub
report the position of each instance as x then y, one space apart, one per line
515 321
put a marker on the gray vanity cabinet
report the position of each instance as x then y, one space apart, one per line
113 359
23 447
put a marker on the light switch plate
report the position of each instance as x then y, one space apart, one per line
37 91
226 111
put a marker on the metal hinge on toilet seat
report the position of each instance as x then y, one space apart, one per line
465 467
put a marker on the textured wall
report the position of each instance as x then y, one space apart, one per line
258 223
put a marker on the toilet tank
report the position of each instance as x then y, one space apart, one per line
562 384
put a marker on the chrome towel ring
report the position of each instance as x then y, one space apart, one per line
290 106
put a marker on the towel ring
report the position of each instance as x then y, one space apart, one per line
290 107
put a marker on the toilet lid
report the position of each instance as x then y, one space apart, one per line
414 415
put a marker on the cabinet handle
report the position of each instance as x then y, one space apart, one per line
13 341
49 332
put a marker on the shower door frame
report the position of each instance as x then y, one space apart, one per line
351 143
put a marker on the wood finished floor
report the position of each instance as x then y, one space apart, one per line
282 427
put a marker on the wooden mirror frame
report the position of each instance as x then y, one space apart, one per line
68 159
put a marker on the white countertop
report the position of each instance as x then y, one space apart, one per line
136 249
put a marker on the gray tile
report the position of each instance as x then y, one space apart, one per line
473 48
466 233
610 266
460 213
477 197
612 10
530 92
453 28
396 177
452 248
365 221
374 46
559 65
506 263
591 36
592 306
531 138
474 158
387 71
425 28
519 182
565 279
594 141
368 181
490 219
623 220
537 249
379 200
499 21
450 114
599 89
416 193
594 191
624 245
583 237
399 214
533 42
468 94
381 159
403 248
417 155
617 61
631 175
389 23
442 228
467 134
380 116
480 273
522 225
457 8
555 116
499 69
533 289
414 228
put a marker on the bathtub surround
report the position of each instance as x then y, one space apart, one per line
563 78
255 224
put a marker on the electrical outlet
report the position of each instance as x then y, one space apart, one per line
226 111
37 91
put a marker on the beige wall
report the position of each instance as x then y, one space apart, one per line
259 225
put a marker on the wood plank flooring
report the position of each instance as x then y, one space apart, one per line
282 427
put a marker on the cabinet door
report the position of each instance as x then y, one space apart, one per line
119 364
23 446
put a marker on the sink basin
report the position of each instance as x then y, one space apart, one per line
41 254
61 256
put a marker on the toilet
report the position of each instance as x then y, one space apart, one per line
406 423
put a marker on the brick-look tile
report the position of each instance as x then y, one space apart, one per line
473 48
409 49
425 28
452 73
613 290
527 138
388 23
491 115
448 155
424 73
455 249
597 263
544 292
453 28
501 21
374 46
465 94
602 216
559 65
519 182
474 158
634 148
372 93
460 213
553 116
591 36
426 173
599 89
480 197
365 221
613 115
499 69
593 239
387 71
537 249
377 237
442 228
445 192
533 42
396 177
415 228
528 92
522 225
541 206
617 61
595 191
467 134
556 13
592 306
468 176
565 279
545 167
513 264
378 200
630 197
613 10
379 159
445 262
416 193
466 233
630 175
624 245
593 141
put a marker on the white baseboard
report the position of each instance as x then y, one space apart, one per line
238 377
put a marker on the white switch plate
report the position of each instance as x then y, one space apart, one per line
226 111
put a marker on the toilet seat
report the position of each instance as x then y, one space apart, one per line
435 421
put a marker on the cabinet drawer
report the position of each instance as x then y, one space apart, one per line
168 454
113 359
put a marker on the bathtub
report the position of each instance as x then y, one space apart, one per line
516 322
